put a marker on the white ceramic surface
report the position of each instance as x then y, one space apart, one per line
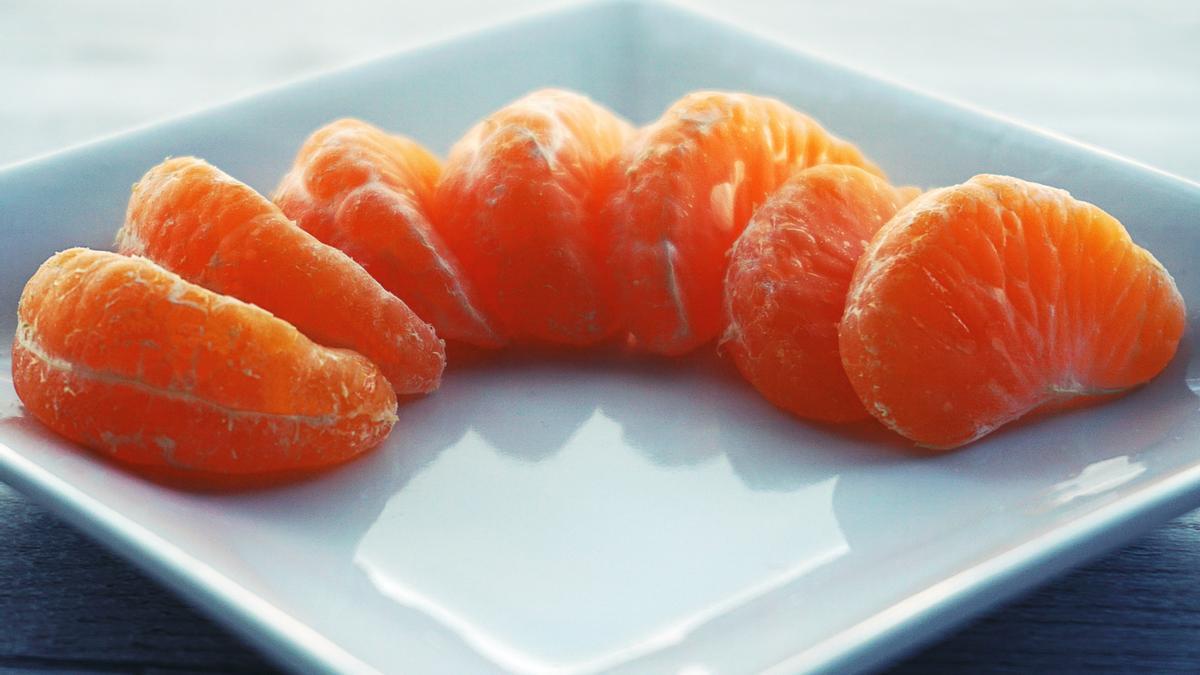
603 512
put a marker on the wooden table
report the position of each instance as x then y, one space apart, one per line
1122 76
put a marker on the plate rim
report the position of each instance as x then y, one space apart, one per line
289 641
991 581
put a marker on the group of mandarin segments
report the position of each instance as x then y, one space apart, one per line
235 338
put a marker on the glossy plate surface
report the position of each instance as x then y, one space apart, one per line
572 515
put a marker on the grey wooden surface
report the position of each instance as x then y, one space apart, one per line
1124 76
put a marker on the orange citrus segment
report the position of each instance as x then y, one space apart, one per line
785 288
369 194
684 189
131 360
981 302
517 205
212 230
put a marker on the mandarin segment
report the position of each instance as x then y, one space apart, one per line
517 204
786 285
370 194
212 230
265 348
133 361
682 192
979 303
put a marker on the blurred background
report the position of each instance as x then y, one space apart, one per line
1121 75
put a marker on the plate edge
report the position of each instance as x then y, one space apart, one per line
879 639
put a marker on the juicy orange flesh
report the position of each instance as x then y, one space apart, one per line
682 192
785 289
555 223
517 206
132 360
196 221
981 302
370 194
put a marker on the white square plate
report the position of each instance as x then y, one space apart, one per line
605 513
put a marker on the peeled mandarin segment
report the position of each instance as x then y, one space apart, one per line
683 192
979 303
786 285
195 220
129 359
518 205
369 194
